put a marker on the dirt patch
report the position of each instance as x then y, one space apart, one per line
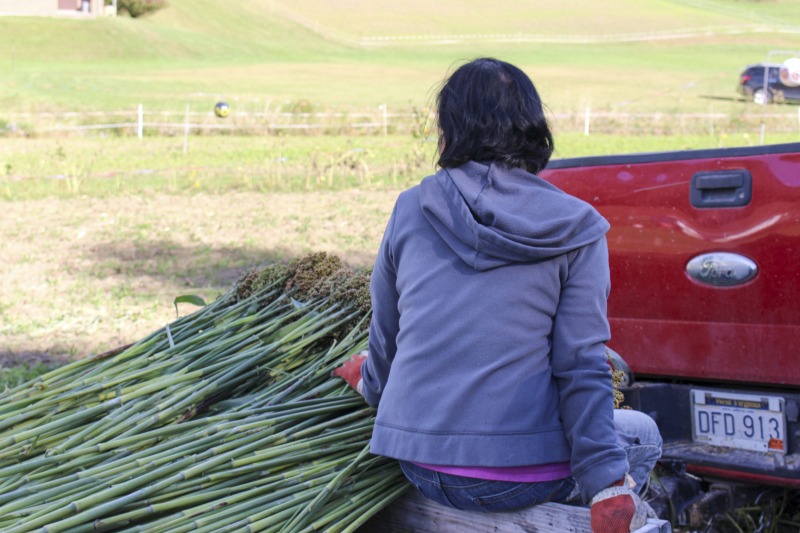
84 275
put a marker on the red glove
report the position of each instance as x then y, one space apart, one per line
617 509
350 371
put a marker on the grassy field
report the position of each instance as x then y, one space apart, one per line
104 230
617 17
83 275
252 51
663 76
32 169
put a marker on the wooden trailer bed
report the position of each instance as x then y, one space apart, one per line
413 513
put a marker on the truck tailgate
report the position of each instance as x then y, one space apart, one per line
685 229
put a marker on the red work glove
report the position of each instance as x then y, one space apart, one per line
350 371
617 509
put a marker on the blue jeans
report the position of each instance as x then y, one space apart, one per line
637 434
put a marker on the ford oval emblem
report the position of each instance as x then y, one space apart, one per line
721 269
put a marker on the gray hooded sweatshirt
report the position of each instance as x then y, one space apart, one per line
487 340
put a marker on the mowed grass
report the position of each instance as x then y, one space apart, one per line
689 77
567 17
83 275
119 166
251 51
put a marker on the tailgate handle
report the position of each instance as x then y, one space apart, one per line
721 188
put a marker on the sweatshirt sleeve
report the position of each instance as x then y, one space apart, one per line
385 321
580 367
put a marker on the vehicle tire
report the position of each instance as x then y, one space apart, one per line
760 97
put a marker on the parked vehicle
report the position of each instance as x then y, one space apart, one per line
704 307
751 85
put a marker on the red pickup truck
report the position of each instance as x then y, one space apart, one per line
705 299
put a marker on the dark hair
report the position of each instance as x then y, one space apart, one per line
489 110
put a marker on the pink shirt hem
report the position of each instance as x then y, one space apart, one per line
521 474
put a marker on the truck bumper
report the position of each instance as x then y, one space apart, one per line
670 406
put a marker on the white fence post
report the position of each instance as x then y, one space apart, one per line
385 120
186 132
586 119
140 129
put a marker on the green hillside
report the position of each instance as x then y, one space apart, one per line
188 30
565 18
274 53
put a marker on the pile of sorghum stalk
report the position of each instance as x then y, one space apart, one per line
227 419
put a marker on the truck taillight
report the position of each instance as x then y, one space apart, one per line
746 78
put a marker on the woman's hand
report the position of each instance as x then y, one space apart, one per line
350 371
617 509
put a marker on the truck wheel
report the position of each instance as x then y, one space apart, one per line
760 97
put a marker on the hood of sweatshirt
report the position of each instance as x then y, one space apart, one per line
491 216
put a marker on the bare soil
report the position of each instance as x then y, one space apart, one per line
85 275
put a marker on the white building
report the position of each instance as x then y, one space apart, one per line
52 8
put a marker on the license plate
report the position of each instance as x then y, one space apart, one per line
745 421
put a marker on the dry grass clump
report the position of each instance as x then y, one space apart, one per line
346 286
260 278
616 380
316 276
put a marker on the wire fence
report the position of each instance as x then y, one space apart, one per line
381 121
129 122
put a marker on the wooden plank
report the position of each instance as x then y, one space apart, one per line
413 513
